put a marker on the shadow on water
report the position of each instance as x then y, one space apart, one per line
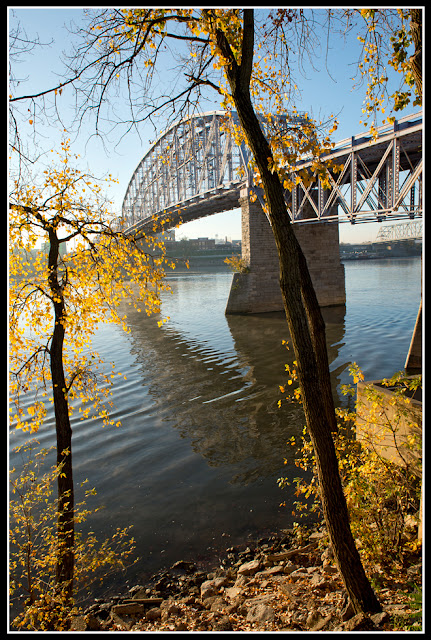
203 474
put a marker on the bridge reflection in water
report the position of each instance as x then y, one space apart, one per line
226 404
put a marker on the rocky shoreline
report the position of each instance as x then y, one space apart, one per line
281 584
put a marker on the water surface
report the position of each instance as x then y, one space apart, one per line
194 465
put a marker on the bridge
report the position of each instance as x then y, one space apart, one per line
401 231
195 169
196 162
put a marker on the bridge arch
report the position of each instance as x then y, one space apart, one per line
193 169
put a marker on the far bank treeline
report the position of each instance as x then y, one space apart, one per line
185 249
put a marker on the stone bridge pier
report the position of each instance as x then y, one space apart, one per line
258 289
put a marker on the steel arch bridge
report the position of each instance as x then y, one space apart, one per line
195 169
194 166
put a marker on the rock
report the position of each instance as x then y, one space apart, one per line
317 535
222 624
167 609
278 557
241 581
138 589
153 614
93 623
217 603
232 592
249 568
288 589
300 574
207 602
313 618
181 626
329 568
129 608
360 622
320 582
182 566
290 568
260 613
78 623
250 589
327 555
270 571
212 587
321 624
380 618
120 623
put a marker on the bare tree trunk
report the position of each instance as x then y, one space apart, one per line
65 517
307 332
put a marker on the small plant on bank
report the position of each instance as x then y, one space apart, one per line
383 496
34 547
237 264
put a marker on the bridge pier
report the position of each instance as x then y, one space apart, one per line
257 290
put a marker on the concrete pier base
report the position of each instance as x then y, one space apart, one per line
257 289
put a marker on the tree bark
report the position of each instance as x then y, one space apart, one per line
65 516
307 331
416 58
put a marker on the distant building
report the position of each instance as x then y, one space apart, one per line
393 249
203 244
169 235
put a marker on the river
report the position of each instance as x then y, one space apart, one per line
194 465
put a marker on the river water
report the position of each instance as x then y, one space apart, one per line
194 465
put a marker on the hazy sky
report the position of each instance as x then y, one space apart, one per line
322 95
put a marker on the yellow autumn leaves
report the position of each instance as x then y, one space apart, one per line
98 267
373 67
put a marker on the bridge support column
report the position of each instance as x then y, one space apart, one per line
257 289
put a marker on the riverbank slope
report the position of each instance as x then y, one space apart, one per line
282 584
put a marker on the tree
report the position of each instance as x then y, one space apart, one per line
34 546
57 301
221 56
304 318
390 38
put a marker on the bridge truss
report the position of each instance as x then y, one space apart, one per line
195 169
192 170
400 231
380 178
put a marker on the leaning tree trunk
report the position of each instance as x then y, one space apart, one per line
306 328
65 515
307 332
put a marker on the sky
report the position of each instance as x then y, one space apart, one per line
322 94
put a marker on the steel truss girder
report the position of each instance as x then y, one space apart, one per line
401 231
195 169
380 179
